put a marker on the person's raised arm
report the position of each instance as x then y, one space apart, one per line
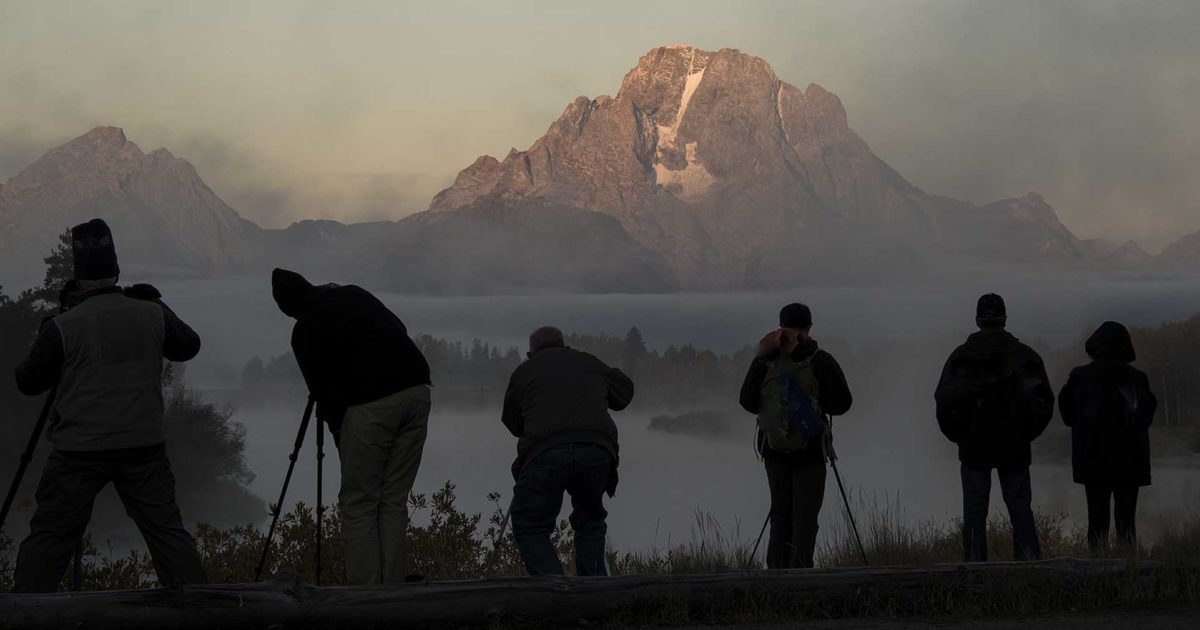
180 342
316 363
620 388
511 415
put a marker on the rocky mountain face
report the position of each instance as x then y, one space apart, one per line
739 178
704 172
162 214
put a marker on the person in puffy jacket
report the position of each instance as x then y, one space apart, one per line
557 405
993 400
1109 407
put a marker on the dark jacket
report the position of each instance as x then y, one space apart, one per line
833 391
562 395
993 400
1109 407
351 349
106 356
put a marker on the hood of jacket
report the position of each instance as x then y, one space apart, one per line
1111 341
293 293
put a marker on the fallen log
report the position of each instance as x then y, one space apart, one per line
285 602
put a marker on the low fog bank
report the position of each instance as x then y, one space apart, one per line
892 454
238 319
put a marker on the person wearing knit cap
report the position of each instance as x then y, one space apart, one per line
1109 407
993 400
104 354
796 476
371 384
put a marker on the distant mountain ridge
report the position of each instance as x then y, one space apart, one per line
163 213
704 172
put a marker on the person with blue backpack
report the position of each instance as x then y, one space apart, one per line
1109 407
793 386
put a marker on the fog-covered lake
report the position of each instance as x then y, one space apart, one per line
895 457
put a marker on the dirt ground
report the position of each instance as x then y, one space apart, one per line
1173 618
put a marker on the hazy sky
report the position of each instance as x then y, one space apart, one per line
357 110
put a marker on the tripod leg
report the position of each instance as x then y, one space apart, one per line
287 479
849 514
320 506
27 454
487 568
754 554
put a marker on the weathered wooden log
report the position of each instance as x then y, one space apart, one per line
284 601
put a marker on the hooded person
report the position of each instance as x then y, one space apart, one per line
557 406
104 354
372 388
1109 407
796 468
993 400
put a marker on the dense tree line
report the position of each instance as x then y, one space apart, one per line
895 374
477 372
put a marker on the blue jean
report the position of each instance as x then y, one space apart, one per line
1018 497
581 470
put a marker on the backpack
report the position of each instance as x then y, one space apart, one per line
790 416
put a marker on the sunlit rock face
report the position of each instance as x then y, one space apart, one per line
741 179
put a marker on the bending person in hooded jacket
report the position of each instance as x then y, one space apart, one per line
371 384
993 400
557 405
1109 407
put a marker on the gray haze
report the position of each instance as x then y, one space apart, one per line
891 449
314 110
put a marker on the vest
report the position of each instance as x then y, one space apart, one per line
110 391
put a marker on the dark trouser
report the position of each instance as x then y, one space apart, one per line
1018 496
581 470
797 492
65 496
1124 499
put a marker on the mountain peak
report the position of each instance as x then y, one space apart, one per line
711 159
104 135
164 211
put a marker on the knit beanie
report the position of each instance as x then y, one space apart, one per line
990 312
93 251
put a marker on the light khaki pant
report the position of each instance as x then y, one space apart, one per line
381 445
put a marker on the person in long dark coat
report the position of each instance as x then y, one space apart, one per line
1109 407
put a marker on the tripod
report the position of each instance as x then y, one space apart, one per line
277 508
27 455
831 455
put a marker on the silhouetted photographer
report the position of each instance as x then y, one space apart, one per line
557 405
104 354
993 400
792 385
1109 407
371 386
